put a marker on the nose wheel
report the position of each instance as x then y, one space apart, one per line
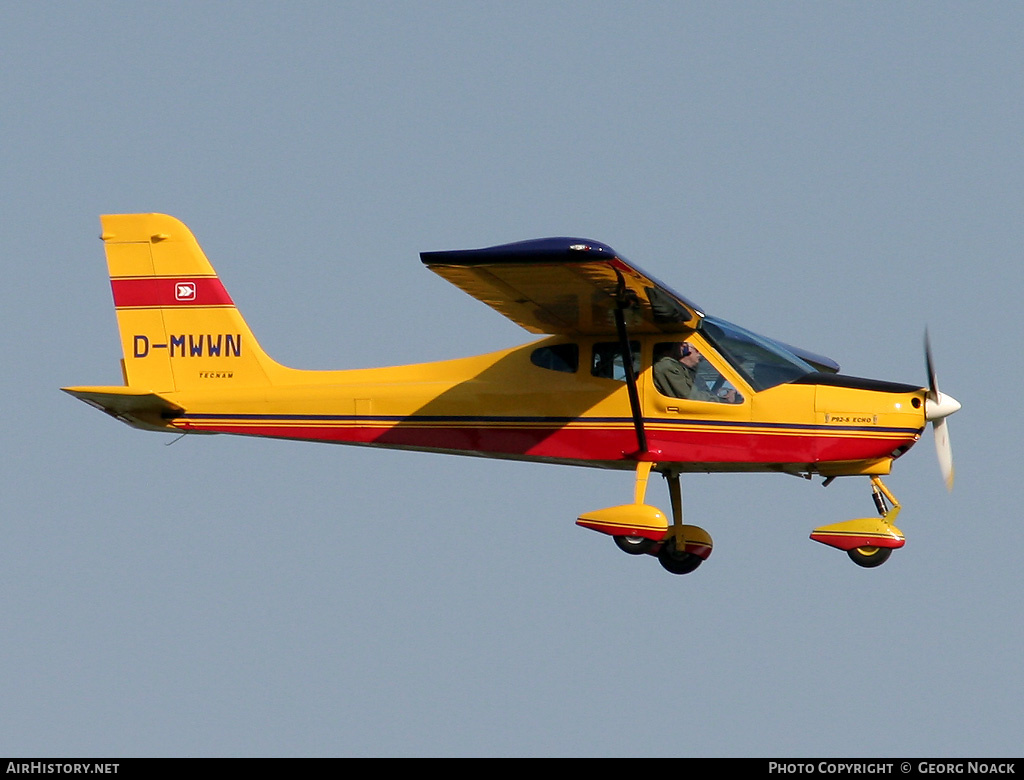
869 557
868 541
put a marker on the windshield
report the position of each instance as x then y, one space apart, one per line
762 362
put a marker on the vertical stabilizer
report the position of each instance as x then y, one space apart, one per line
180 330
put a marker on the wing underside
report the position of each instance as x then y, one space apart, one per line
565 286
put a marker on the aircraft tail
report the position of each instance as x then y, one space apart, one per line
180 330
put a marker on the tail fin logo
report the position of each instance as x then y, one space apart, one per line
184 291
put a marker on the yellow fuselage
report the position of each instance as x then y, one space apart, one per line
503 405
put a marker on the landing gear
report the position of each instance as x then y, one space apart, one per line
642 529
868 541
635 545
686 546
676 562
869 557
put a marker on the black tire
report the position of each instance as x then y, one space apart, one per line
677 562
869 557
634 545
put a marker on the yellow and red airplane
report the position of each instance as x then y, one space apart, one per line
630 375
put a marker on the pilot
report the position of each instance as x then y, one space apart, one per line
676 370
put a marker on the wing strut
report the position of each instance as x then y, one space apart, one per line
621 303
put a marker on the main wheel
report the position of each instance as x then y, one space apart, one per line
634 545
869 557
677 562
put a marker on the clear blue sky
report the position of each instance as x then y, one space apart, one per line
836 175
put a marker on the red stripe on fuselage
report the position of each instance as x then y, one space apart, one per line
589 444
163 292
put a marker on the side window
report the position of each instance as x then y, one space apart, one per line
607 360
680 371
559 357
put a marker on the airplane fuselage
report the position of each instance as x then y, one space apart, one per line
505 405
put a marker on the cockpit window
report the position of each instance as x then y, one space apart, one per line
558 357
680 371
607 360
762 362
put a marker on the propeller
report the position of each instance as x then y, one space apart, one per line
937 408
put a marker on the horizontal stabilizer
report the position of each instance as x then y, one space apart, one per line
148 411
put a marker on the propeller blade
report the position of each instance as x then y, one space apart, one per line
933 383
937 408
944 450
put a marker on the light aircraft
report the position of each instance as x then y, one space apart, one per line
630 375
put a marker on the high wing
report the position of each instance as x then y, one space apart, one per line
566 286
575 287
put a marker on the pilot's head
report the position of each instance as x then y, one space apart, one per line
687 354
